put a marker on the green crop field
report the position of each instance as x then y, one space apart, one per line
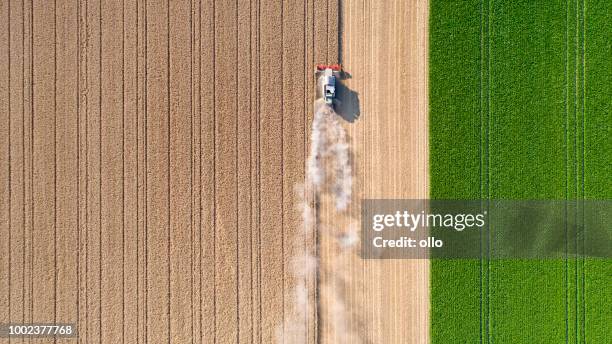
521 108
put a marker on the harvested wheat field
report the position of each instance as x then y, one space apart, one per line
152 156
384 47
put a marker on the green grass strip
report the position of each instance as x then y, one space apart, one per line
520 108
597 159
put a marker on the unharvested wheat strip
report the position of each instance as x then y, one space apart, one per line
244 182
17 161
272 231
66 165
5 169
93 184
320 25
181 240
208 171
310 241
81 321
254 121
44 162
196 155
131 152
333 31
111 169
293 330
27 115
226 150
141 151
158 173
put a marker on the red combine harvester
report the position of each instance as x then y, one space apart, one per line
326 82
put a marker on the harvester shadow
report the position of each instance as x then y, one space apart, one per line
348 106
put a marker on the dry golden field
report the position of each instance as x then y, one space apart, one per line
150 152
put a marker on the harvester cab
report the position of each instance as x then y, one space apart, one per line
326 82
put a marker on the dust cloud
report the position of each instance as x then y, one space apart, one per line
328 170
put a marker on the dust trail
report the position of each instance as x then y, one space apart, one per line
329 144
328 170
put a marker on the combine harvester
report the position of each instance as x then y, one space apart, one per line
327 76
